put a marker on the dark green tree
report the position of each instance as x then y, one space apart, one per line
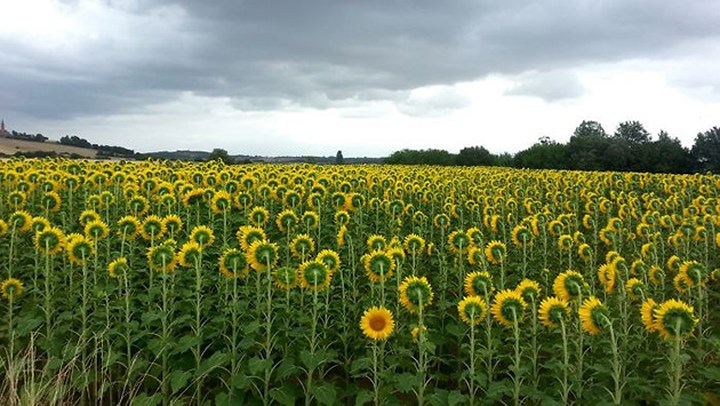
339 158
589 128
545 154
473 156
633 132
221 154
706 150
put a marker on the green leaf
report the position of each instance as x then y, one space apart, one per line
283 396
178 380
325 393
144 400
286 369
456 329
256 365
363 397
442 397
312 361
215 361
25 326
406 381
241 381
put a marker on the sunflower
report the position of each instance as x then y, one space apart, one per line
647 314
96 230
635 289
441 221
301 246
379 266
638 267
673 263
674 319
647 251
314 275
472 310
11 288
189 254
521 236
173 224
52 201
377 323
310 219
414 244
459 242
262 254
593 315
79 249
565 242
50 241
585 252
478 284
568 285
3 227
681 283
694 272
529 290
656 275
495 251
285 277
221 202
341 235
607 236
287 219
17 198
475 256
247 235
415 292
40 223
341 217
233 263
607 277
118 267
203 235
152 228
376 243
129 227
508 307
162 258
21 221
193 197
139 205
331 260
552 311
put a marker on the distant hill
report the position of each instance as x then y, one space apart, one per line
12 146
186 155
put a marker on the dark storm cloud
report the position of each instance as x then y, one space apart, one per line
269 54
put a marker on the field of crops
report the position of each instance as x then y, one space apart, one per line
199 283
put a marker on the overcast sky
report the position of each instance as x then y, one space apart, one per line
368 77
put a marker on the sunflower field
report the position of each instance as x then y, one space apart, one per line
198 283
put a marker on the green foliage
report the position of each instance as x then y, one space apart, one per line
706 150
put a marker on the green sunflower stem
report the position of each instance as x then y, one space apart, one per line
376 378
313 344
616 365
471 370
565 394
198 325
268 335
676 366
517 376
421 355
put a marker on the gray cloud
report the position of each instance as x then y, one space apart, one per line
549 86
317 53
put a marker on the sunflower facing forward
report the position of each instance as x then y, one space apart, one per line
377 323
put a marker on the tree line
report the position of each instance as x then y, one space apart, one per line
629 148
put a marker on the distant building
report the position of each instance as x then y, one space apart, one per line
3 132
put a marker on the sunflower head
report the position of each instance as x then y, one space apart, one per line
495 251
647 314
301 246
50 241
221 202
414 244
152 228
314 275
565 242
478 284
310 219
285 278
656 275
20 221
377 323
203 235
189 254
553 311
233 263
259 216
674 319
521 236
593 315
162 258
96 230
11 288
508 307
568 285
79 249
331 259
118 267
248 235
129 227
472 309
173 224
585 252
635 289
415 292
529 290
262 254
694 272
376 243
379 266
286 220
459 242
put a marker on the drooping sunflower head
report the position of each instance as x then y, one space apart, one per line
472 309
681 283
50 241
11 288
638 268
553 311
79 249
96 230
673 263
495 252
695 272
301 246
248 235
285 278
286 220
152 228
221 202
203 235
568 285
475 256
379 266
118 267
173 224
377 323
521 236
635 289
607 277
310 219
314 275
656 275
459 242
162 258
129 227
585 252
331 259
262 254
674 319
20 221
565 242
478 284
647 314
508 307
593 315
341 218
376 243
52 201
341 235
40 223
529 290
233 264
414 244
415 292
259 216
189 254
